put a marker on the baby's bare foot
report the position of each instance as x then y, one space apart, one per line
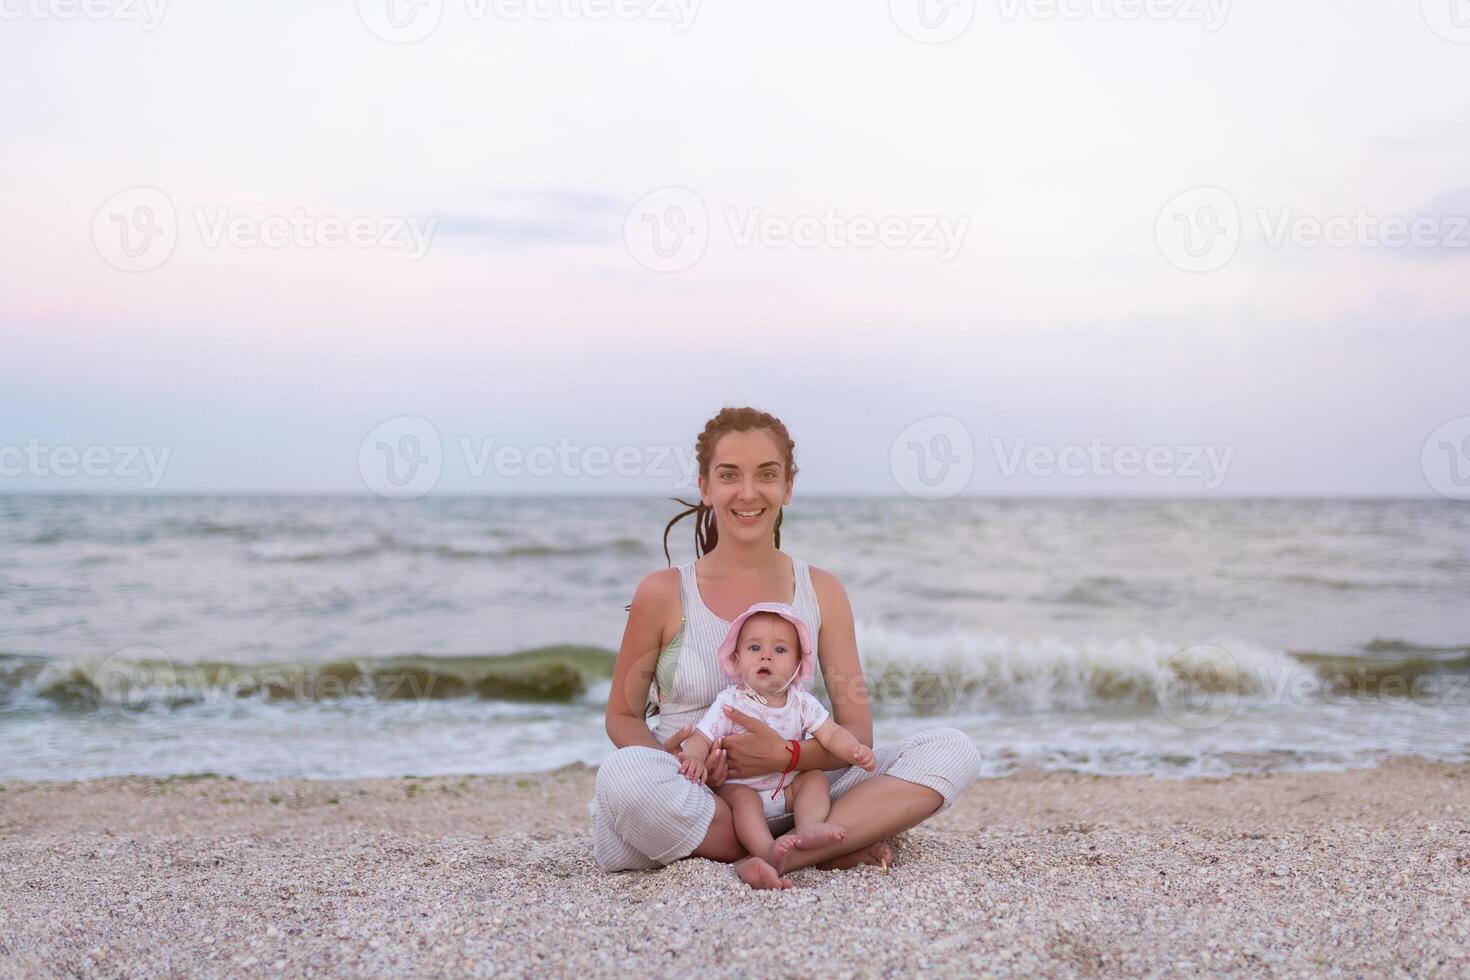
817 835
759 875
879 853
780 850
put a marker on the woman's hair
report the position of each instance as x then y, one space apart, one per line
728 420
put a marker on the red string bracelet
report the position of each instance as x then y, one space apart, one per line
794 747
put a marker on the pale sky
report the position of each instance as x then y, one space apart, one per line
1050 147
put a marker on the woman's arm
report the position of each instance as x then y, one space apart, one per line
637 658
760 750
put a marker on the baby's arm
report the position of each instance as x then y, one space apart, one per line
694 756
844 744
694 753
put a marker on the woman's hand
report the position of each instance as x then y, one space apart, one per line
756 752
675 742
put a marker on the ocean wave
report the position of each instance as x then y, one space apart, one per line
1108 591
944 672
295 553
143 678
291 552
949 594
905 673
176 527
1387 667
1334 584
1381 645
226 529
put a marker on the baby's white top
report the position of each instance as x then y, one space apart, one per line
801 715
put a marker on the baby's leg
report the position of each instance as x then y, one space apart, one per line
810 799
750 818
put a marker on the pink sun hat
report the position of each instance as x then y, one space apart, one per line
725 655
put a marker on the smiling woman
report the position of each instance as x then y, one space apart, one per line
645 813
739 423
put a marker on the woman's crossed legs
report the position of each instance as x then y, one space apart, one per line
914 779
646 814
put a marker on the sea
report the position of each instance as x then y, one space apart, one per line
264 637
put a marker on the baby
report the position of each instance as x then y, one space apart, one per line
768 655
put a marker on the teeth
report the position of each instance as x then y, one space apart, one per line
750 513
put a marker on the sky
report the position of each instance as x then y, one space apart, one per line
1094 247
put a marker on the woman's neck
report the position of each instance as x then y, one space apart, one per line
742 558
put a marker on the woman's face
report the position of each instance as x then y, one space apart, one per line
767 654
747 485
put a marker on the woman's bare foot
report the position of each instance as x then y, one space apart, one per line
816 835
759 875
879 853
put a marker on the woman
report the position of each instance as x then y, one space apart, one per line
645 814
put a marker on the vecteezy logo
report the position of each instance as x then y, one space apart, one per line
1198 687
401 21
1446 459
1450 19
135 230
1199 230
135 686
667 230
933 458
932 21
402 458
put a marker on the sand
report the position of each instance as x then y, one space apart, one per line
1356 873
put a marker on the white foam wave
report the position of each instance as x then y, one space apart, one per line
943 671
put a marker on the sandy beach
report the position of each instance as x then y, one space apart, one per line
1364 872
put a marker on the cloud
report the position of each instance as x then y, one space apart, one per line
1452 136
524 218
1446 220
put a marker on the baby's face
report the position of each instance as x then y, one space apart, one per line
767 652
